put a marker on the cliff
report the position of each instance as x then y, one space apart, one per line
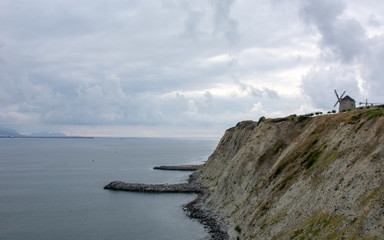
301 177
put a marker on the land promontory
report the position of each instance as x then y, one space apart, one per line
300 177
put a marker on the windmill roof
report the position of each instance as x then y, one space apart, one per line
347 98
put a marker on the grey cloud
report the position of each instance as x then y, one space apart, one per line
343 37
322 12
222 20
193 29
374 21
319 85
373 72
257 92
271 93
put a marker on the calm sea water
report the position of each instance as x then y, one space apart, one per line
53 188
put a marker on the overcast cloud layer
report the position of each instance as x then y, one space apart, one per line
182 68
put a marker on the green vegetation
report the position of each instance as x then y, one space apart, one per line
374 194
355 118
280 144
285 182
245 124
290 117
207 178
331 158
320 226
277 120
378 112
323 225
302 118
312 158
238 229
284 164
261 119
299 118
280 168
231 129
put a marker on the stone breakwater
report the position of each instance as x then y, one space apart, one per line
179 168
153 188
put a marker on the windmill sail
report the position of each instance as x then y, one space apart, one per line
338 98
342 95
336 94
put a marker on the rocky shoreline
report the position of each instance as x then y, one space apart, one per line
216 225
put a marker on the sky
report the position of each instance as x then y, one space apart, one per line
182 68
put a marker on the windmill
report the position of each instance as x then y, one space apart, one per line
338 98
345 103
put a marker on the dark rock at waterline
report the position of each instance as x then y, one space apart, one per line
216 225
179 168
160 188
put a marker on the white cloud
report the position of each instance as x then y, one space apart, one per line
224 58
257 108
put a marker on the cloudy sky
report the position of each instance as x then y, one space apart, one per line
182 67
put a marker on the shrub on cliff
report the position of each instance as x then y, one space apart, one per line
261 119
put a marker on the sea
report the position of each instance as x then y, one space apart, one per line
52 188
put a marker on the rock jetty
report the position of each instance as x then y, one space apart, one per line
155 188
179 168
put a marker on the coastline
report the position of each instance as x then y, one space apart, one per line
216 225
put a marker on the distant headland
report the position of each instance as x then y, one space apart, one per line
22 136
11 133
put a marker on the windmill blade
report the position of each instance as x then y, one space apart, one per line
336 94
342 95
336 104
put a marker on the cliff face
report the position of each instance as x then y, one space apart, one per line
301 177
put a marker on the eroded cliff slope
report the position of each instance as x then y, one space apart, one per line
301 177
